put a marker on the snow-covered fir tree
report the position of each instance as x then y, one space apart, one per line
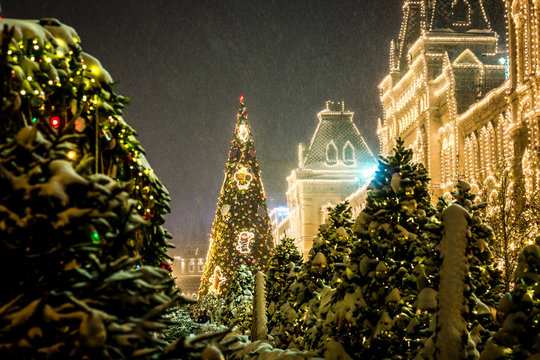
482 282
49 81
518 312
279 276
314 282
75 289
239 299
387 287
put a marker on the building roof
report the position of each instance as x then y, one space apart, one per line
459 15
444 18
337 144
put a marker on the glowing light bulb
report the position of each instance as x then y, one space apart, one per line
55 121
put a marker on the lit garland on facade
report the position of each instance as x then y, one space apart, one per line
409 99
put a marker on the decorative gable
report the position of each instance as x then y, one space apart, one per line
467 59
337 143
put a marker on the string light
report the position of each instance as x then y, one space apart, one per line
72 155
55 121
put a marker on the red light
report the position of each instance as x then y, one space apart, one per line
55 121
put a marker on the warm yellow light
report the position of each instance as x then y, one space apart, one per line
72 154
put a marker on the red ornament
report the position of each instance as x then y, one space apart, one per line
166 266
241 99
55 121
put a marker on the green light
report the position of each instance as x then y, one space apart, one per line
34 120
95 238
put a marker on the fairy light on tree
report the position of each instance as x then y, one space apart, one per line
241 232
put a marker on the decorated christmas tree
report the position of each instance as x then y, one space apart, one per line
241 233
387 286
75 287
48 81
81 209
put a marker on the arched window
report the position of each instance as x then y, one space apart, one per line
461 12
348 153
331 153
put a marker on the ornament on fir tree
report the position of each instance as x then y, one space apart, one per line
225 209
243 132
165 265
381 271
55 121
217 280
211 352
94 237
395 182
80 124
233 155
261 211
252 153
244 239
243 178
319 264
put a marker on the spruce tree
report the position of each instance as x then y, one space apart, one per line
315 281
47 80
376 312
76 288
286 259
82 211
483 283
241 233
239 300
518 312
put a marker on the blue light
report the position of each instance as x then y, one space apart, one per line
369 172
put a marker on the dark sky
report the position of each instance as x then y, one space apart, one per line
184 64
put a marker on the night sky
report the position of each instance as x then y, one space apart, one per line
185 63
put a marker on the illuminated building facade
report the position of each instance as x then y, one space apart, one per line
334 165
465 105
188 264
187 269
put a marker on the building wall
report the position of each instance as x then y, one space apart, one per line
466 116
336 163
187 269
308 199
